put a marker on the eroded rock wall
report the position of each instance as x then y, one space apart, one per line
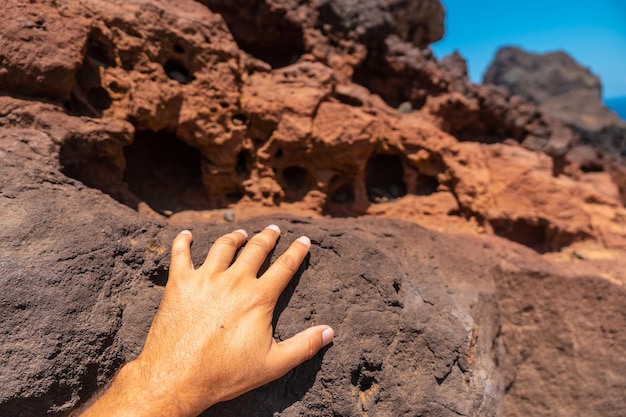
194 117
139 118
415 334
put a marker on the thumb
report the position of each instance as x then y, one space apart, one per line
303 346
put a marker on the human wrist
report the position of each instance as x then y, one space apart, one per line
134 393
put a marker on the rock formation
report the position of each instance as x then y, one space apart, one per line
123 121
80 288
563 89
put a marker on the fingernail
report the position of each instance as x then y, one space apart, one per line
185 232
274 228
243 232
327 336
304 240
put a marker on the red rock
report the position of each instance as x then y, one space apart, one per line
41 49
270 107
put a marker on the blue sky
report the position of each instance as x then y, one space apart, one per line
593 32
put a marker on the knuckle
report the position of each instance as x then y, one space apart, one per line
226 240
312 348
288 262
259 244
266 296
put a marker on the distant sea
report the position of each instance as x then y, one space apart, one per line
618 105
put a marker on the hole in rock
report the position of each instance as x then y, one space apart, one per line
349 100
278 154
478 121
355 375
364 376
386 73
426 185
296 182
591 166
130 57
96 164
88 98
177 71
239 119
262 29
100 54
341 195
243 164
559 163
232 198
344 194
159 277
384 178
165 172
537 234
99 98
363 382
522 231
178 49
392 90
295 177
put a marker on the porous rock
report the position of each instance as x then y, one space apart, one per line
272 106
415 334
40 49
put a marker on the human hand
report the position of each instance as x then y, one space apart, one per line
211 339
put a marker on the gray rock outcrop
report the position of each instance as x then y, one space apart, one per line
562 88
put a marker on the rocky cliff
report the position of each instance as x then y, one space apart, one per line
468 252
564 89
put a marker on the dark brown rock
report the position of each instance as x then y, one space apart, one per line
559 324
419 22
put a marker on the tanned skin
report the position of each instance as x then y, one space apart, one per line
211 339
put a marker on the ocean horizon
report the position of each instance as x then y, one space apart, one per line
618 105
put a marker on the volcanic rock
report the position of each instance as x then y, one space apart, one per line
139 118
79 288
420 23
563 89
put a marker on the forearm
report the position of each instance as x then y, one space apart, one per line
131 394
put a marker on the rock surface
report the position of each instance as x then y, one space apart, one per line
79 288
138 119
559 326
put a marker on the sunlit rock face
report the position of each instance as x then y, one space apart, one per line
468 246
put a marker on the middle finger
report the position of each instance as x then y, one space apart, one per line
256 250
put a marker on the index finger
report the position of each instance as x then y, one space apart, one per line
283 269
181 254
